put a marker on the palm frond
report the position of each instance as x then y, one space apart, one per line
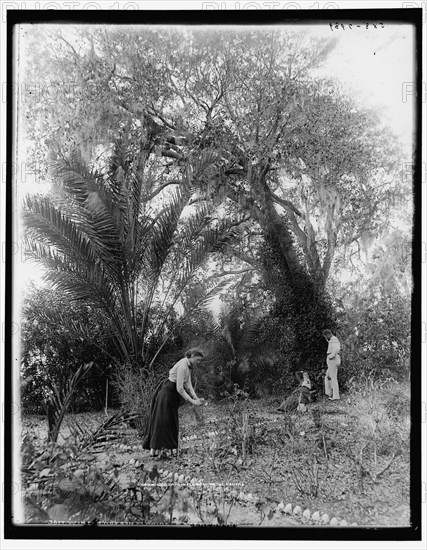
192 227
59 401
163 235
207 298
107 430
198 304
138 246
202 162
252 331
47 223
101 210
208 240
190 258
81 280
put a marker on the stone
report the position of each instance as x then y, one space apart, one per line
343 523
315 516
281 506
288 509
325 518
306 514
334 521
297 510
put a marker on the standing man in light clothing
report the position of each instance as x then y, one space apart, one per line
333 360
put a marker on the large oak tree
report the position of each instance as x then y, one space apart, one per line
239 114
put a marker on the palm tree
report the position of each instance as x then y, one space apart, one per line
111 242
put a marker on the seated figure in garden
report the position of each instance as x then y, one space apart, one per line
301 395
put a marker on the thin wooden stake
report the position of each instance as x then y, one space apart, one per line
106 398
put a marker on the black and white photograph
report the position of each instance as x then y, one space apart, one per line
213 274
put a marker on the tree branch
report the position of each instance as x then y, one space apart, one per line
224 273
244 257
160 188
172 154
287 204
68 44
327 262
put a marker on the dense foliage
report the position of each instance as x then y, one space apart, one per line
374 312
54 347
186 162
237 117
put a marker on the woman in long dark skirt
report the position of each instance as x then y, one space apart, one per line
163 426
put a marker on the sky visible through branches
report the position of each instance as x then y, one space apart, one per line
375 66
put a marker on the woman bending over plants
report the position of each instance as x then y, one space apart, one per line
163 425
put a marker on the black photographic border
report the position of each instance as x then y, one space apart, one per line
220 17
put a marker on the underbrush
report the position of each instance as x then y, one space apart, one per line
67 482
382 427
356 449
346 456
383 413
136 389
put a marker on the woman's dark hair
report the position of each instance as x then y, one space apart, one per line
193 352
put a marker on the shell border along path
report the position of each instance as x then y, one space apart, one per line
216 432
305 517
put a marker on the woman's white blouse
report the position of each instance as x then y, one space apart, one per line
181 374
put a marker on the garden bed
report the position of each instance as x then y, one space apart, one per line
246 463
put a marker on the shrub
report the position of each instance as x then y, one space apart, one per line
375 337
62 482
397 401
383 425
136 388
53 349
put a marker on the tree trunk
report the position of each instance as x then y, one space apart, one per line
301 300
